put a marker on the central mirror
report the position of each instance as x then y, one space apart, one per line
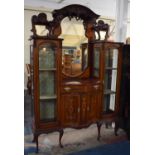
75 47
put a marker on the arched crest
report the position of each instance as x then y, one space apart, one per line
76 11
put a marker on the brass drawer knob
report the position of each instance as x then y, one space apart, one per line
67 89
96 87
88 109
78 110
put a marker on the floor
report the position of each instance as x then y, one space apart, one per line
72 140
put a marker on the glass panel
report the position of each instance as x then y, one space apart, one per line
96 62
47 109
110 80
47 83
46 57
109 103
110 77
111 56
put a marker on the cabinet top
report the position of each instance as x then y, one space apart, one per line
45 38
81 82
105 42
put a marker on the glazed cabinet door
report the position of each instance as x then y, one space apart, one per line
46 75
70 109
112 78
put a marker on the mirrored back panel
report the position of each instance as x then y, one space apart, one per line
75 50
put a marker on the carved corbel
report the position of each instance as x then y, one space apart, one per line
101 26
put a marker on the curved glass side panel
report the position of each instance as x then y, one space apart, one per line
110 79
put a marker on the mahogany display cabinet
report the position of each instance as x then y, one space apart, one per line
88 93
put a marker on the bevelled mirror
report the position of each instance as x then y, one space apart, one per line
75 47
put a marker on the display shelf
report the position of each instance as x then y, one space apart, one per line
108 91
48 97
44 69
110 68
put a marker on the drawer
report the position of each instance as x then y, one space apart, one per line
72 89
95 88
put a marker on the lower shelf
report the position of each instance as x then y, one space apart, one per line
109 111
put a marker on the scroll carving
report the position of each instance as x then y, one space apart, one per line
101 26
74 11
78 12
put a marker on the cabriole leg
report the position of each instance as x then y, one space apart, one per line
99 124
116 127
36 140
60 136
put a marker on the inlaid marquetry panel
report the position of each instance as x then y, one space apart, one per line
94 106
71 109
84 108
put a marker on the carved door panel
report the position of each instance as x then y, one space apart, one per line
84 110
71 109
94 106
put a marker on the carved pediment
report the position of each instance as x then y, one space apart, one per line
75 11
79 12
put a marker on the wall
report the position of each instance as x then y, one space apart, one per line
122 20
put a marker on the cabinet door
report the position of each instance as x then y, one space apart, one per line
94 106
84 109
112 79
47 84
71 109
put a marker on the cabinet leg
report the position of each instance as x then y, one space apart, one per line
36 140
106 125
99 128
116 127
60 136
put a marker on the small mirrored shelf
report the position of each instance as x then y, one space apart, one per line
48 97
